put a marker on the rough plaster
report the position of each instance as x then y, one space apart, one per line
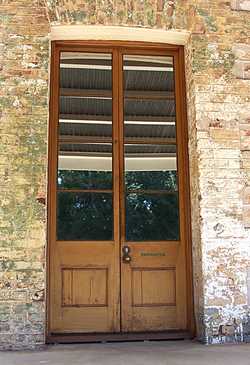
218 89
132 34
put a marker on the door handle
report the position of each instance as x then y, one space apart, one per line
126 258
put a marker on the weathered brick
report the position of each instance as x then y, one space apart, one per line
240 5
241 69
241 51
246 216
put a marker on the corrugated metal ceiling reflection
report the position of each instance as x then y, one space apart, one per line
102 79
105 130
82 74
106 149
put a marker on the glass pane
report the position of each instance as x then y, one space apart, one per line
85 124
84 216
151 178
84 179
85 144
149 105
152 217
150 167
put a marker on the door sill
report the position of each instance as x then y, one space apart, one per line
117 337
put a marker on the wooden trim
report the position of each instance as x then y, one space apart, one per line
116 176
183 176
52 168
87 243
101 191
101 46
113 337
187 196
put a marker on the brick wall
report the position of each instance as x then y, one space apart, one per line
23 130
218 89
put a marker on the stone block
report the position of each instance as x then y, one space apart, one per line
246 216
246 195
240 5
245 142
241 51
241 69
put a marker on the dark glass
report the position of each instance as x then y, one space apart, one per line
84 216
76 179
151 180
151 177
152 217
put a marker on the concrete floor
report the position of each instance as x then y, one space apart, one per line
132 353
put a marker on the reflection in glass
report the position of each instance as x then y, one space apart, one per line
150 167
84 216
85 147
151 217
77 179
151 178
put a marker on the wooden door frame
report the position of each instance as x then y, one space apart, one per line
141 48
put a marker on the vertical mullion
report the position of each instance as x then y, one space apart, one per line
122 150
115 149
116 181
124 269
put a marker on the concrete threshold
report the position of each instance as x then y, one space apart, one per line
132 353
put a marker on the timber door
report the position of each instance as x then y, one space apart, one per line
118 196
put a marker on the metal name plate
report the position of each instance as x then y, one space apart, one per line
153 254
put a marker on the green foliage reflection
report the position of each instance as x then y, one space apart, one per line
152 211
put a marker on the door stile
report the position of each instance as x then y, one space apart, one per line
116 185
180 143
184 179
125 274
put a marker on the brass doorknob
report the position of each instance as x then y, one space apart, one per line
126 258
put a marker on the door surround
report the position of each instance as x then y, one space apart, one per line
56 46
118 33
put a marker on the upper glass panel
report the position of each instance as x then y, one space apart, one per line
85 123
151 177
84 176
149 101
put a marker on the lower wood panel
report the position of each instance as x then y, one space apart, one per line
154 293
153 287
85 287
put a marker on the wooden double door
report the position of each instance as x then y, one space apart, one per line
118 195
